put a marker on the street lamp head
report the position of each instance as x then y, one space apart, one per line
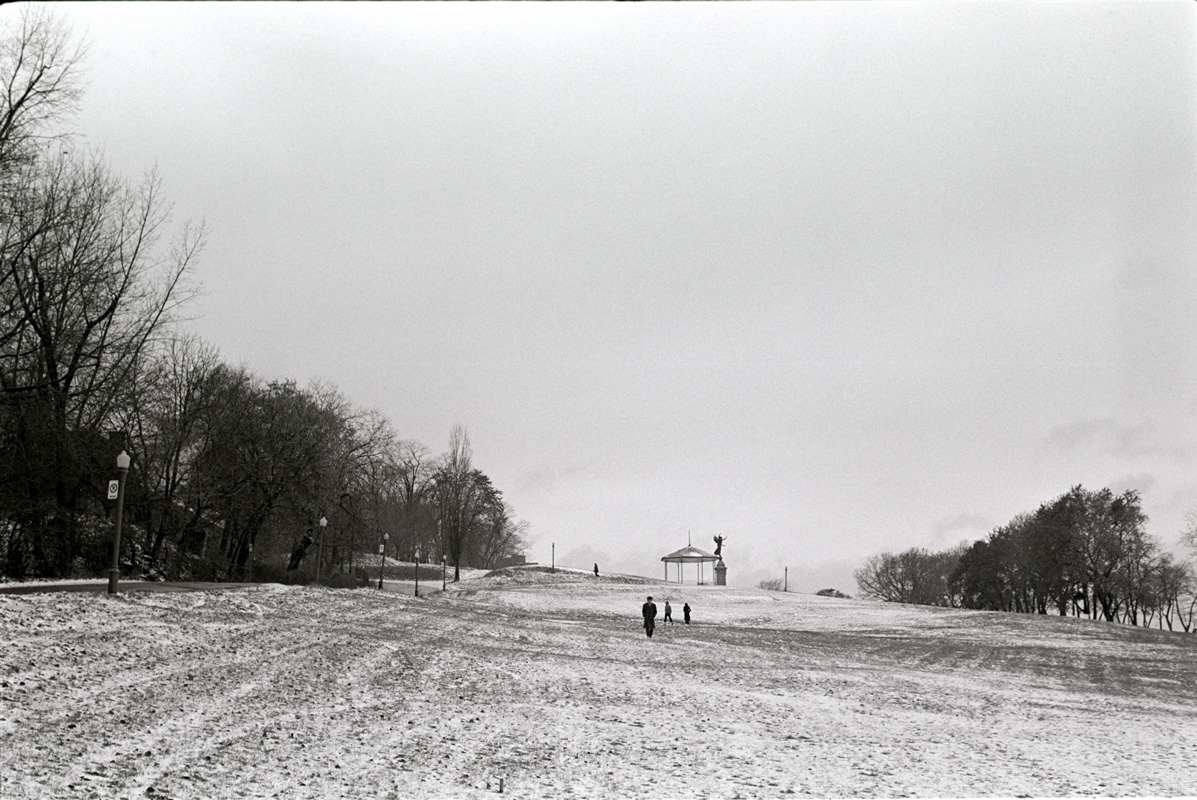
323 522
122 461
386 537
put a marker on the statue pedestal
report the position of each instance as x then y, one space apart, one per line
721 573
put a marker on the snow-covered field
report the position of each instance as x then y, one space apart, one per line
547 684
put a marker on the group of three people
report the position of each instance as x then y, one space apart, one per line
649 610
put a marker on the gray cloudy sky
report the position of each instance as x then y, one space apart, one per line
825 278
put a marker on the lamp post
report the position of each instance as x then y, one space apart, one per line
417 572
442 573
114 572
382 558
320 547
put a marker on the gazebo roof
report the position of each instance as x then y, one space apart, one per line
689 555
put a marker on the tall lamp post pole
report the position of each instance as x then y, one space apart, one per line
417 572
320 548
442 573
382 558
114 572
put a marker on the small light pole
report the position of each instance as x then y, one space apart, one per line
320 547
553 563
417 572
382 558
114 572
443 572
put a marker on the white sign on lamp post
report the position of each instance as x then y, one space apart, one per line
122 466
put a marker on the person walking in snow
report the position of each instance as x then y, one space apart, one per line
649 611
668 614
686 612
596 570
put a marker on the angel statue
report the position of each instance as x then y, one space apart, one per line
719 547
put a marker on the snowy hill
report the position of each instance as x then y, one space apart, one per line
545 681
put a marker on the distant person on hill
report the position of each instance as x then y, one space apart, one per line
686 612
668 614
649 610
596 570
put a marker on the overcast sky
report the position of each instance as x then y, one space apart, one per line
826 279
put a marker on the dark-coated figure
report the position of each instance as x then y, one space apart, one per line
649 610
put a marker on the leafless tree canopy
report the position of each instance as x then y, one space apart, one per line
40 69
230 474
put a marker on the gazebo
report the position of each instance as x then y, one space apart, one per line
688 555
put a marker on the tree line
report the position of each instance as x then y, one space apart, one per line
1085 553
231 474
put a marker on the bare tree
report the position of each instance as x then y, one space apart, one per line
1112 540
87 288
1188 535
461 493
912 576
1184 574
888 577
163 416
414 507
40 76
500 535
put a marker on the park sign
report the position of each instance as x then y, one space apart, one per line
114 489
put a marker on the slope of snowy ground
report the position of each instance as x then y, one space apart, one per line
547 683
